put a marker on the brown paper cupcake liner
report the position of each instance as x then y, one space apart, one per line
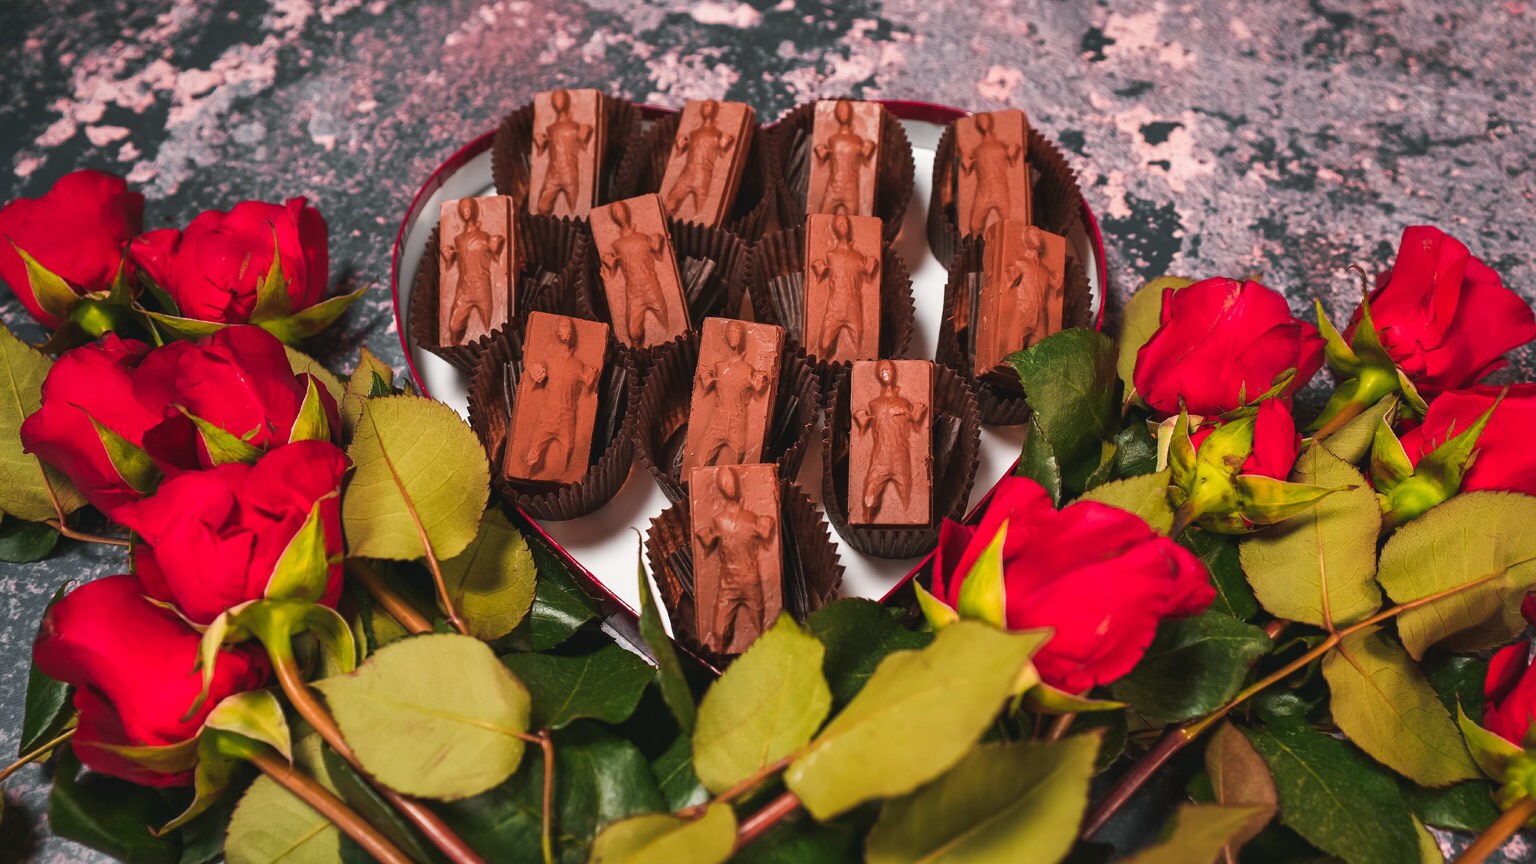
1058 200
778 296
811 570
791 139
661 415
492 393
552 263
956 456
512 149
645 165
715 265
1000 400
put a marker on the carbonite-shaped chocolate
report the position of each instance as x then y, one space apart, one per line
845 152
550 435
1022 290
477 267
992 173
639 270
708 155
842 287
734 388
737 558
568 138
890 447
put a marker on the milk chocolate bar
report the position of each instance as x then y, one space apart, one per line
735 386
550 436
737 554
845 154
842 287
1022 290
639 270
992 173
890 447
569 133
477 267
706 162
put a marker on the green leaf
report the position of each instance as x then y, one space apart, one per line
303 364
1193 667
419 477
1316 567
1462 807
1385 705
674 775
301 325
303 570
1135 449
560 606
1458 681
50 290
1145 495
367 376
109 815
1069 378
660 838
916 717
1038 462
1478 546
765 707
1334 798
360 795
1218 552
981 590
804 841
25 482
670 676
223 448
1140 318
25 542
1353 442
270 825
1240 778
1199 833
48 712
1002 803
605 684
492 582
858 634
432 716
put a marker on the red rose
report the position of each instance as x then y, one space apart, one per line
1276 442
237 379
212 268
1443 315
1221 345
133 666
212 539
1503 459
1510 690
1098 575
78 230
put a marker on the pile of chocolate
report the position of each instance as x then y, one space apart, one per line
698 291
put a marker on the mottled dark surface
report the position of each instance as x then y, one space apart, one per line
1286 138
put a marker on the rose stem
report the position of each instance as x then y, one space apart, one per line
42 750
773 813
318 797
1181 735
397 606
66 531
1060 726
308 705
1350 411
740 788
1501 830
547 744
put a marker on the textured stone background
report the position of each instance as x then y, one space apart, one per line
1213 137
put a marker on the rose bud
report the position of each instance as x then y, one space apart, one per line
213 539
1439 320
1229 477
1223 344
133 665
1099 576
1470 440
1510 691
76 235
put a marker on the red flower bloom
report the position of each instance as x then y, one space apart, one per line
1221 345
1503 460
212 268
212 539
1444 316
238 379
79 230
1510 690
132 665
1098 575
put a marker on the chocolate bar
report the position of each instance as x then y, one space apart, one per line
737 554
550 437
569 133
639 272
992 176
706 162
477 267
1022 290
842 287
845 154
735 385
890 447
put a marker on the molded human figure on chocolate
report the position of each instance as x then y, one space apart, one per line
734 537
735 383
845 153
565 139
559 396
476 254
848 274
637 255
995 164
1029 289
705 146
892 419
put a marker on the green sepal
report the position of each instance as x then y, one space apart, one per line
302 572
275 623
1507 764
982 592
311 424
1389 461
184 328
1341 358
127 458
1265 500
1045 699
1228 446
223 448
53 294
1407 496
938 613
1177 451
272 299
239 727
161 758
1447 464
301 325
